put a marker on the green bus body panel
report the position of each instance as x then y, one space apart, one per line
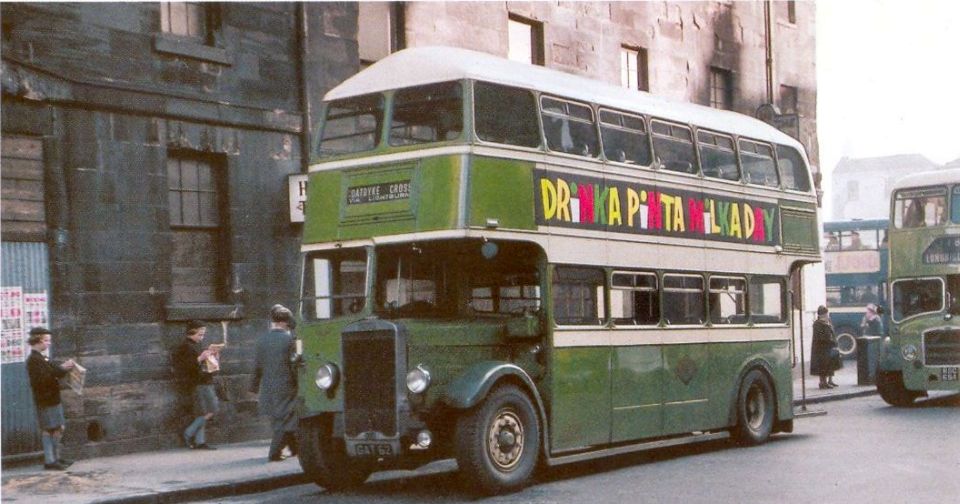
580 402
637 409
501 189
656 390
799 224
906 253
321 344
430 204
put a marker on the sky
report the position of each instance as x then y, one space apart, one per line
888 76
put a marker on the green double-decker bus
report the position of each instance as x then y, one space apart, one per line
922 352
512 266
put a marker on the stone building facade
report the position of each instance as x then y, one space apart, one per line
146 150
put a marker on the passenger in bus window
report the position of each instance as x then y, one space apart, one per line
855 243
832 243
913 214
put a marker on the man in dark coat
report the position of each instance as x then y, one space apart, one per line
45 384
826 356
188 363
274 377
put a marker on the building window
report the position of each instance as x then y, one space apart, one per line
853 190
633 68
186 19
788 100
525 40
380 30
196 189
24 214
792 12
721 89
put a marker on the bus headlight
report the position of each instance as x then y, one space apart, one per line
418 379
327 376
909 352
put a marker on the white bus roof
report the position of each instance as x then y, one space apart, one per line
425 65
929 178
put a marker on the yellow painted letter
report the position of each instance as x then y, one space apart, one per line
549 195
633 205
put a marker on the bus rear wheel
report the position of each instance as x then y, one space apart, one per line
324 459
498 442
892 391
755 409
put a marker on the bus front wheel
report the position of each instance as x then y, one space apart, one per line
498 442
324 459
892 391
755 409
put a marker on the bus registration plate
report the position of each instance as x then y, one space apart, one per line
373 449
949 373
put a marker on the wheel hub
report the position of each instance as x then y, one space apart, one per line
505 439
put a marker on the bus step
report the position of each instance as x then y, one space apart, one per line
804 412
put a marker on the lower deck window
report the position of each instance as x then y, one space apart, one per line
683 299
766 300
578 296
634 299
728 300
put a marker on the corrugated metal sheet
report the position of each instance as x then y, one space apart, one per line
25 265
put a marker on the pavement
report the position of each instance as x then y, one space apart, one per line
183 475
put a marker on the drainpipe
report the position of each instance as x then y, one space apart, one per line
768 25
307 127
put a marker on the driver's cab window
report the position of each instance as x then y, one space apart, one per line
333 284
408 280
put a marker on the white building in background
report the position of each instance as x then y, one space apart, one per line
861 187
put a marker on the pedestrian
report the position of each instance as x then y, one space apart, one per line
45 384
274 378
871 324
195 369
826 356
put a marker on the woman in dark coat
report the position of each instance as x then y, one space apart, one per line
826 356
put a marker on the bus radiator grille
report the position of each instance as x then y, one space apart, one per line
942 347
369 371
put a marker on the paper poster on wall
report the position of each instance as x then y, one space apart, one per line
12 348
35 310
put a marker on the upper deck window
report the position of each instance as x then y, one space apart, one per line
625 138
352 125
505 115
925 207
424 114
792 169
673 146
569 127
758 166
717 156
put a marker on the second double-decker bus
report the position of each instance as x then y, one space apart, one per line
855 263
510 265
922 352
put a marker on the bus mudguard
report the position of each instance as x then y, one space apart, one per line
469 389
